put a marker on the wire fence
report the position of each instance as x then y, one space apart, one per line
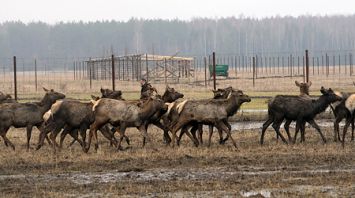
268 72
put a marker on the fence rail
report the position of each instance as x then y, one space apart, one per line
252 72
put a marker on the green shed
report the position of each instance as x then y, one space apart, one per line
221 70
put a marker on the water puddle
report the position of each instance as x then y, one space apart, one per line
299 190
250 125
263 193
80 178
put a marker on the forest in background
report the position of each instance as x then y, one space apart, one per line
196 37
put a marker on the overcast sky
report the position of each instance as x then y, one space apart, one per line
52 11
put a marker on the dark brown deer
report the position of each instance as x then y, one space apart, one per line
297 108
341 110
123 114
210 112
108 93
344 109
304 92
26 115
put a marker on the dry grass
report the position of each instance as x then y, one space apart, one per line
289 162
291 166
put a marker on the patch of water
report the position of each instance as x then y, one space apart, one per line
167 175
264 193
250 125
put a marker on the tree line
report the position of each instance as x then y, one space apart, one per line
196 37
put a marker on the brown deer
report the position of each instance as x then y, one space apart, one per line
218 94
210 112
123 114
26 115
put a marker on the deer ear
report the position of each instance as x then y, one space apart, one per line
46 90
322 90
297 83
95 97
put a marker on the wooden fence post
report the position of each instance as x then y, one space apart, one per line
214 70
307 67
113 72
15 78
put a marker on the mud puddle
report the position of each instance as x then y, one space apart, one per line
250 125
81 178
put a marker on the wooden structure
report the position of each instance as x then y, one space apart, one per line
156 68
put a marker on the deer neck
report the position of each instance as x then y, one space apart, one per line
320 104
167 98
231 105
45 104
148 110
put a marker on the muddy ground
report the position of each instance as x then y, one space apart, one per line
310 169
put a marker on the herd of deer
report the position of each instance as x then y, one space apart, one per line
110 113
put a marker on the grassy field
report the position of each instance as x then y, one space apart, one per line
272 170
310 169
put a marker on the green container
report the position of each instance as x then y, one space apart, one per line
221 70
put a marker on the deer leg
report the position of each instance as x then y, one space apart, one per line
347 123
199 130
122 134
62 137
40 128
192 137
6 140
43 134
287 129
145 132
73 133
210 133
296 131
53 137
29 133
166 137
221 126
93 128
315 125
225 121
182 132
178 125
352 127
105 131
276 126
194 129
265 126
336 128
